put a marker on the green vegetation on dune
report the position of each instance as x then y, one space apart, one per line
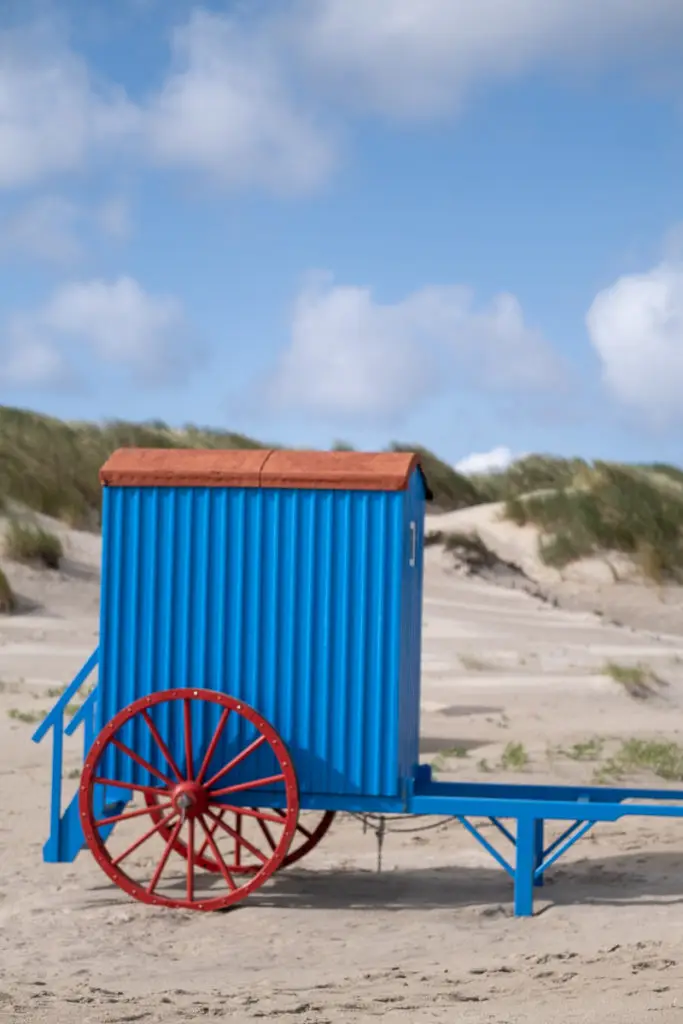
661 469
609 508
51 466
532 473
451 489
29 543
7 599
581 508
663 758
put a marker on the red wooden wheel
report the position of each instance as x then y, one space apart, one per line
193 808
238 860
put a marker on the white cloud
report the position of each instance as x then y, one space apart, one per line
240 101
636 328
51 114
237 103
226 109
44 229
114 218
495 461
352 357
404 58
117 323
30 362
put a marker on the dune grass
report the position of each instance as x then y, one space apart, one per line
639 681
31 717
533 473
440 763
451 489
31 544
8 601
515 757
608 508
663 758
585 750
467 546
52 467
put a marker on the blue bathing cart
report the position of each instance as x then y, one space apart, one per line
258 671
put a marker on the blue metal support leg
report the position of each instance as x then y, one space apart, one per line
539 852
525 865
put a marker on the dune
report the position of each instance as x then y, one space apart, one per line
520 545
610 584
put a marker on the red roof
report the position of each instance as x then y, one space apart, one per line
260 467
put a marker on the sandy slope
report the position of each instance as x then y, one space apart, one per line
609 585
431 938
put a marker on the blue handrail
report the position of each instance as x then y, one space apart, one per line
57 712
84 714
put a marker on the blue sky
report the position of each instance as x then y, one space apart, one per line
424 220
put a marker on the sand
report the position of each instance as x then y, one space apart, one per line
431 937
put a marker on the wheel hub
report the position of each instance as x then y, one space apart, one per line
190 799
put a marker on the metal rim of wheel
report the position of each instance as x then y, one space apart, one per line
187 800
311 838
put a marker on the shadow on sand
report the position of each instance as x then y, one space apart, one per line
619 880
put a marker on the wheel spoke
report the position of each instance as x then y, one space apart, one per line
250 812
190 860
206 843
161 745
238 844
143 839
235 835
164 857
133 814
213 744
187 716
133 786
215 851
266 831
259 741
141 761
241 786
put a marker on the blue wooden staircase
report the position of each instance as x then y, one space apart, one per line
66 836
